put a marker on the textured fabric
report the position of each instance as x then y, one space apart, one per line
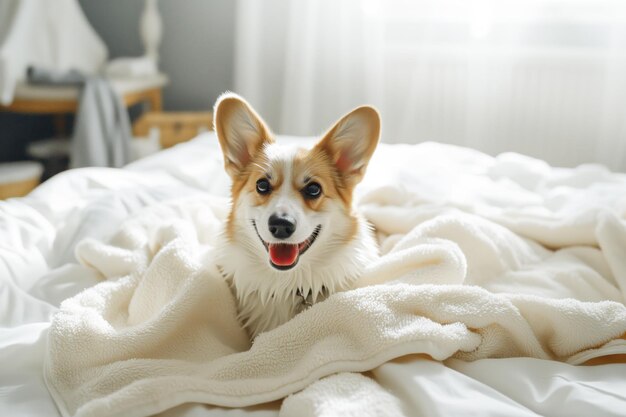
102 133
38 271
346 394
162 329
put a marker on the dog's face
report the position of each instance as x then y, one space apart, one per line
292 207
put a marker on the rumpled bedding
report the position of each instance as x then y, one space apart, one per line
482 257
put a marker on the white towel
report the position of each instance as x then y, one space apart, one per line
346 395
102 133
161 330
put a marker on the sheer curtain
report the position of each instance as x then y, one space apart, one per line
542 77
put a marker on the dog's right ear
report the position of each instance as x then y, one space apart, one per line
240 131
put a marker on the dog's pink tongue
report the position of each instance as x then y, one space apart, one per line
283 254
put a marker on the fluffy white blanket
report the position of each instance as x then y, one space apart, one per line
466 273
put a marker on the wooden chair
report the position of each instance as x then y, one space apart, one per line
173 127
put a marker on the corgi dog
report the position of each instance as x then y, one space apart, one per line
292 237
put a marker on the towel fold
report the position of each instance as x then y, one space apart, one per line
161 330
345 394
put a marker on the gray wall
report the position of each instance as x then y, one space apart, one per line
197 46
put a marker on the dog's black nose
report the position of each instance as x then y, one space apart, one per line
281 226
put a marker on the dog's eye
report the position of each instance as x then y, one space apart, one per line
263 186
312 190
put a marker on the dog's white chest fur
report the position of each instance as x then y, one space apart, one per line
267 298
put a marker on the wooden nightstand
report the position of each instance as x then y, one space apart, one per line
61 100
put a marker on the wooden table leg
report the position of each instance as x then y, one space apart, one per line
156 100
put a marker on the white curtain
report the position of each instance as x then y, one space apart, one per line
542 77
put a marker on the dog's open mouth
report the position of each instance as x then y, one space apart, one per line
285 256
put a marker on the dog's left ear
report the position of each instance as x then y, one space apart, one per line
240 131
351 142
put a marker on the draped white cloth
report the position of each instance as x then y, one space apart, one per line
541 77
50 34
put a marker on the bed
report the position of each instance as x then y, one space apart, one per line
39 235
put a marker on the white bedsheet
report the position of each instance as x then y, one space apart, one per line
38 235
